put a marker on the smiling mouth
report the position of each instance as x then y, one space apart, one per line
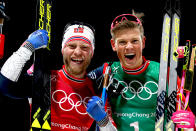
130 56
78 61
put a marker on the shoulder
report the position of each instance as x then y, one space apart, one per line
154 64
96 73
153 68
116 63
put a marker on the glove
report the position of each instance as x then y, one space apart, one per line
95 109
183 119
38 39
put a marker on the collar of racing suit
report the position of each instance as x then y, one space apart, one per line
66 75
138 70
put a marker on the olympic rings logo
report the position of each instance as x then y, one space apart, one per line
143 92
69 99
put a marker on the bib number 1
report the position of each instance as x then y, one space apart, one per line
135 125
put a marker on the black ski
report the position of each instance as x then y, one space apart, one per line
41 104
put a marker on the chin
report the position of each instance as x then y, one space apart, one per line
131 65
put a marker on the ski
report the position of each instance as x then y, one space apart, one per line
161 95
172 88
41 103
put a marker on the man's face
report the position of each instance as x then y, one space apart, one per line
129 44
76 57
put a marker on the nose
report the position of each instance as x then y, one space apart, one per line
77 51
129 45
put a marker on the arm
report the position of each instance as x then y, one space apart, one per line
16 90
97 76
4 82
95 109
14 65
111 126
12 68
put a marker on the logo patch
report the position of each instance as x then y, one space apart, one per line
78 30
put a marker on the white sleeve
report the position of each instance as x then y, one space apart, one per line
108 127
15 63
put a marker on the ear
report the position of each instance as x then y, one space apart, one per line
92 53
112 41
143 42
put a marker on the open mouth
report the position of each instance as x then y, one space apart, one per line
130 56
76 60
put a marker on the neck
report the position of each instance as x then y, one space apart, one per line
80 76
75 74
